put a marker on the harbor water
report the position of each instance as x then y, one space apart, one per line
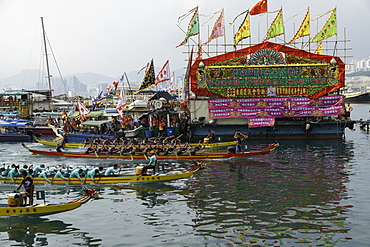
310 192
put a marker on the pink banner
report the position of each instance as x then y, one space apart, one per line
276 107
260 122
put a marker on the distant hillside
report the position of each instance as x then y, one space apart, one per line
27 79
24 79
92 79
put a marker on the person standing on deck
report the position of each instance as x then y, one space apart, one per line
239 137
211 136
27 183
349 109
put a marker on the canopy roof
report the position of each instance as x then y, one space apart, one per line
95 123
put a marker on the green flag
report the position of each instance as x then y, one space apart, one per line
277 26
193 27
329 29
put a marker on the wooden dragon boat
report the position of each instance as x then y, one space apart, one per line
199 156
36 209
117 179
81 145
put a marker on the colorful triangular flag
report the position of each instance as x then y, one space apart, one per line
121 103
259 8
218 29
193 27
164 74
277 26
149 78
171 88
304 29
329 29
82 111
244 30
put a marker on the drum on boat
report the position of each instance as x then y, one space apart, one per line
206 140
138 170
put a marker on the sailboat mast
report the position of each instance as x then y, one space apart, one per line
46 53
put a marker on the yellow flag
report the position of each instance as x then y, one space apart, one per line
304 29
319 49
329 29
277 26
244 30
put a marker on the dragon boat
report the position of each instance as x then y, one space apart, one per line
117 179
11 209
81 145
185 156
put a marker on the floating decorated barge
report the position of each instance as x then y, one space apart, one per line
269 90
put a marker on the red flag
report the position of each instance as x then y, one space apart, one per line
164 74
115 85
82 110
259 8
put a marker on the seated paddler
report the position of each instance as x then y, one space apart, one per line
112 171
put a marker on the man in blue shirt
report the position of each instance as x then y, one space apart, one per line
152 163
76 173
112 170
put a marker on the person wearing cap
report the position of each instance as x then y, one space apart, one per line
152 163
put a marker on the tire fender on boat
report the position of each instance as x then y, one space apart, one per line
307 127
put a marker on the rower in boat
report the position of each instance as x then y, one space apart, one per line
13 172
76 173
112 171
38 170
2 170
94 172
59 173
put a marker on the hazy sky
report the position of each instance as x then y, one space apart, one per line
110 37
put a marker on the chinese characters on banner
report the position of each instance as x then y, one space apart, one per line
263 111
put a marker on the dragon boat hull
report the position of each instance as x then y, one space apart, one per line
119 179
202 156
80 145
38 210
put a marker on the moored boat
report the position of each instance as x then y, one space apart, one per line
9 132
46 209
199 156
